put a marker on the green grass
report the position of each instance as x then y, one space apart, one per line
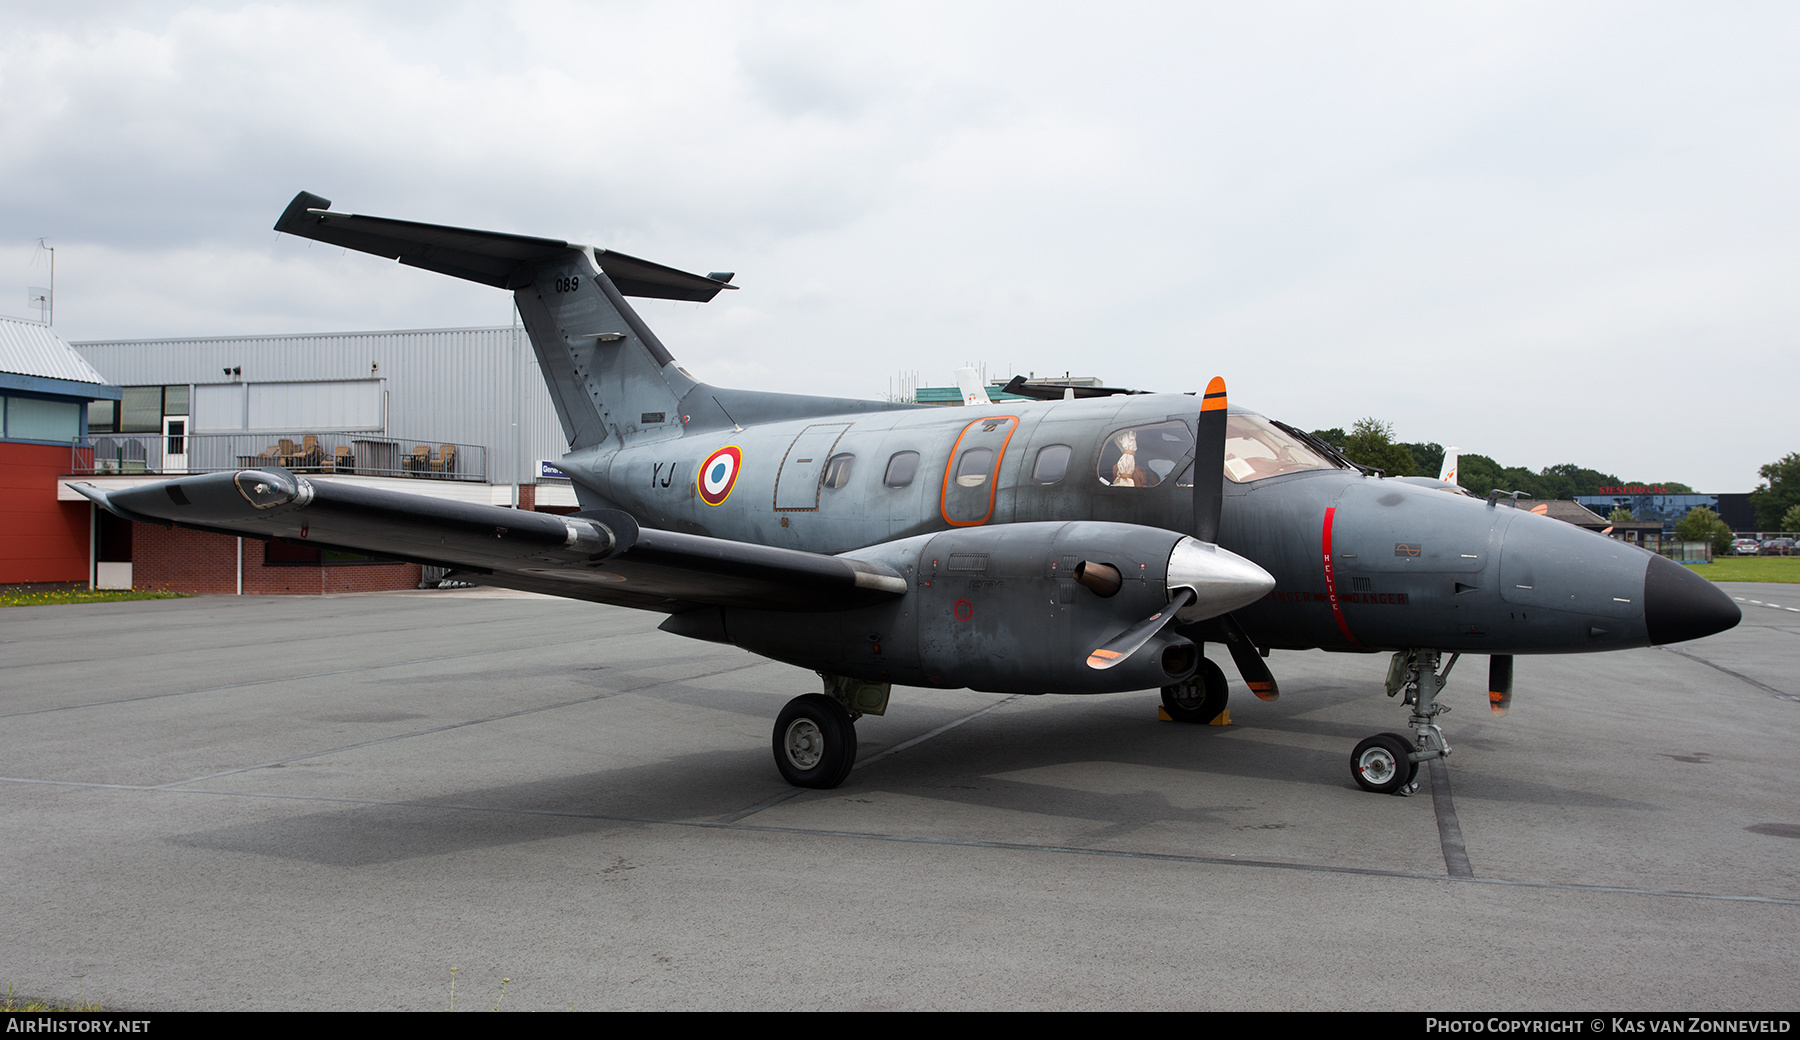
1751 568
15 598
12 1003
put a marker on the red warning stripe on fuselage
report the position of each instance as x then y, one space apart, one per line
1331 594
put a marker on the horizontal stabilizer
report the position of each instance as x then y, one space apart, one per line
600 556
489 257
1047 392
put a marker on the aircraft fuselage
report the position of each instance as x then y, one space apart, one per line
1361 563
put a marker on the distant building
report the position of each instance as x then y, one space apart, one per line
45 387
444 413
1647 504
952 396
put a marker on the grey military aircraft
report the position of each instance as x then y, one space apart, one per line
1091 542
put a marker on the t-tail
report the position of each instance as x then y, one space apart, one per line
608 374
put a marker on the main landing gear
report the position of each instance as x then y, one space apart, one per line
1200 698
815 735
1388 763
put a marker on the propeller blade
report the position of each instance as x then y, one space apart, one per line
1249 661
1500 675
1128 642
1209 461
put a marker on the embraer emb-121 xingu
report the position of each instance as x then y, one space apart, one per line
1093 543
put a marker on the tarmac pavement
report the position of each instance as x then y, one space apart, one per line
330 803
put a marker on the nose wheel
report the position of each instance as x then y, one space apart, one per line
815 742
1383 764
1388 763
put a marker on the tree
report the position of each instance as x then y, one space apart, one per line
1621 515
1703 525
1428 458
1371 442
1790 520
1773 499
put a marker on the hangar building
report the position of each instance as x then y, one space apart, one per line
446 413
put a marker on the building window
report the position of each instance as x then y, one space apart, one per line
34 419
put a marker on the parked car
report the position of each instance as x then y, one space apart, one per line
1745 546
1778 547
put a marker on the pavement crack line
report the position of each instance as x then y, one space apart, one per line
1765 687
973 843
774 800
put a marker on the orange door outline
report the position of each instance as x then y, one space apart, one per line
993 478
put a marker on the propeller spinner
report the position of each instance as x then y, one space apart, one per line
1204 580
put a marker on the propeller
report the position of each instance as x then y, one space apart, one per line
1128 642
1249 661
1500 676
1199 571
1209 462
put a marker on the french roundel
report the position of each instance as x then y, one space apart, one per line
717 474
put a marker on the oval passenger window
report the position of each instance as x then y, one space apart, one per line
972 470
901 469
1052 463
837 470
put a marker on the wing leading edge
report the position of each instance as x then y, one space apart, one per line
602 556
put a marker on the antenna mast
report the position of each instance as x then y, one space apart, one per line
46 299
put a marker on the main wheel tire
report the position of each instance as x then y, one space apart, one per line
1380 763
815 742
1412 768
1200 698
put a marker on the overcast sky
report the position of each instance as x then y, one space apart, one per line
1545 233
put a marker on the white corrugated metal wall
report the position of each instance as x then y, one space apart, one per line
435 385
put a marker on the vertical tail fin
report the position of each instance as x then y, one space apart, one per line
608 373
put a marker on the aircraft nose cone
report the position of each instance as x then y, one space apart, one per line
1679 604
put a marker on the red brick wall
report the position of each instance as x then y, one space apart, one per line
41 539
194 561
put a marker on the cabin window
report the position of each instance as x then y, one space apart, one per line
973 468
1256 448
901 469
1052 463
837 470
1145 456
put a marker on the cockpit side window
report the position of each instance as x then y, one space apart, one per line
1256 448
1145 456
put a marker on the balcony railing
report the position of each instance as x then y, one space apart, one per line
350 454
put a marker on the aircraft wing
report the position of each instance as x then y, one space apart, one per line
601 556
489 257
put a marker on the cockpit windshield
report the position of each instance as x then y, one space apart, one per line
1256 448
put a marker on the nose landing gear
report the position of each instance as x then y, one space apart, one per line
1388 763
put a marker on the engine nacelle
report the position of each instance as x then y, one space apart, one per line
1003 609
